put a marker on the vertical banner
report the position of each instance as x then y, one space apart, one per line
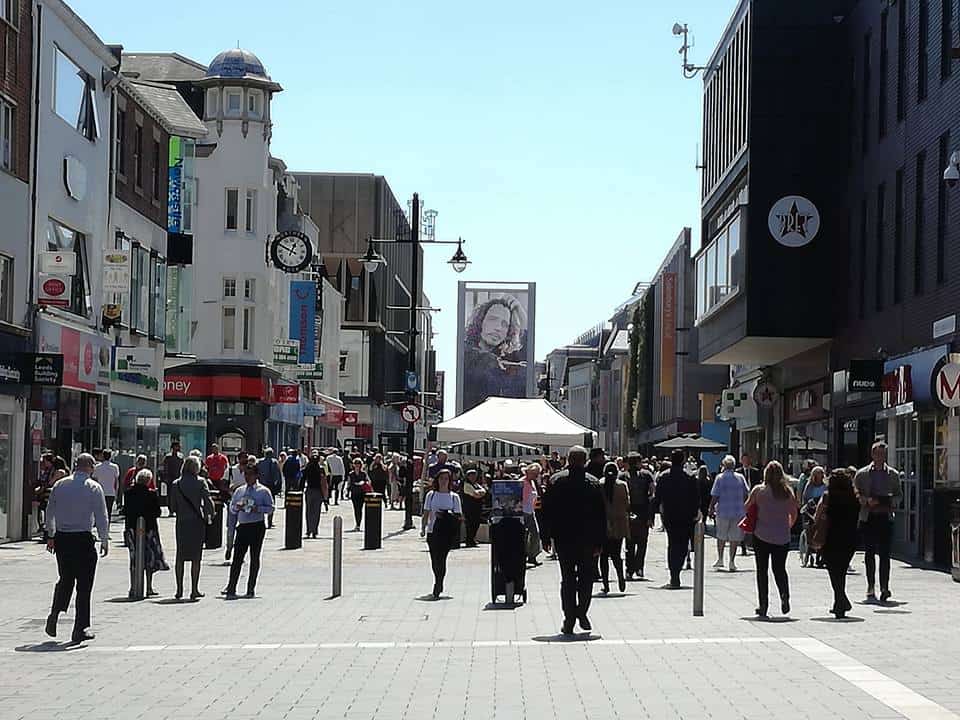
303 318
668 334
174 186
495 338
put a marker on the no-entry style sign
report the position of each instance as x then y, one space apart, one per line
410 413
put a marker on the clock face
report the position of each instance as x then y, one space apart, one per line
291 251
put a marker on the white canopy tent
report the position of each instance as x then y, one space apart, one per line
527 421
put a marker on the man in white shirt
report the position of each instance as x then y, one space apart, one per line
335 471
108 475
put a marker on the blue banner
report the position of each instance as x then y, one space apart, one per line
303 318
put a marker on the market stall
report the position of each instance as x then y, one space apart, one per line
516 420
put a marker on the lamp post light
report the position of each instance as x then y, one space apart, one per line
372 260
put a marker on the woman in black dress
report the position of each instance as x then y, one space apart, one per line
835 530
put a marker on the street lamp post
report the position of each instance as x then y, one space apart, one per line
371 262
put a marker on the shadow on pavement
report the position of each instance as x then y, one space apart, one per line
612 595
502 606
431 598
49 646
561 638
838 620
122 599
770 620
173 601
882 611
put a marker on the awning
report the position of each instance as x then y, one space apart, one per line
526 421
491 449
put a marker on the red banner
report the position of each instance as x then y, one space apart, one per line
286 394
668 334
179 387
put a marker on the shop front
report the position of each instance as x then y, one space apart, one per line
74 415
135 406
924 441
807 427
323 419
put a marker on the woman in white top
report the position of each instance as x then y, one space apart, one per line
441 524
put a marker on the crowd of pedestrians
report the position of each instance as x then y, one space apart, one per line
587 511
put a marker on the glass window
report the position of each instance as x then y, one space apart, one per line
179 316
712 298
229 328
253 103
6 288
159 294
60 237
233 200
249 289
7 135
73 96
354 362
155 176
213 97
248 317
733 253
138 156
719 268
701 280
723 265
250 211
10 11
229 287
230 408
234 102
188 200
141 319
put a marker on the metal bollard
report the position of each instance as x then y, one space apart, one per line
698 563
139 558
337 556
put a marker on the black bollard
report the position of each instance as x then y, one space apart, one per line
293 520
373 521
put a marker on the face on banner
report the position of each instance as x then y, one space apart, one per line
496 352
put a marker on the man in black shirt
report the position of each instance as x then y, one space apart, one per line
678 501
641 485
575 519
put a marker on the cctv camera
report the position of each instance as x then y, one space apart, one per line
951 176
677 29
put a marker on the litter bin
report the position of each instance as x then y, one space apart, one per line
373 521
213 538
955 540
293 520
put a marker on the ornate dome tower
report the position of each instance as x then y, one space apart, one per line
238 90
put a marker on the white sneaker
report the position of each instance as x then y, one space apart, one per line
718 563
733 566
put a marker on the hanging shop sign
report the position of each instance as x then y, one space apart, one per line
55 291
793 221
58 262
285 394
116 272
865 376
946 382
31 369
765 394
303 319
86 355
286 352
351 418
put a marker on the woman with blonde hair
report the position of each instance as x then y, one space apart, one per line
772 509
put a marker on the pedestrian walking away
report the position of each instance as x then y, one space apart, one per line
292 470
249 507
878 489
835 535
678 500
641 485
271 478
170 470
190 501
727 497
616 500
774 509
358 483
76 505
575 521
441 524
336 471
315 492
107 473
142 502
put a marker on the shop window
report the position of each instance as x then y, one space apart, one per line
6 288
61 237
229 328
232 203
7 136
73 96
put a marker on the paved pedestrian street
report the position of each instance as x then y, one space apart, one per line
382 651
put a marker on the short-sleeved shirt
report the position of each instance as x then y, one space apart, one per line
217 464
108 475
774 516
438 501
730 490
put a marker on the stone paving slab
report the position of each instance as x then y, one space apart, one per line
381 651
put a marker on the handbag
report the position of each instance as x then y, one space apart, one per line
821 526
749 522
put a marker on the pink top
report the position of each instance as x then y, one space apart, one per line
775 516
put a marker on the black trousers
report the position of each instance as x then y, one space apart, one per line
439 549
335 482
678 542
767 554
611 553
637 542
837 564
76 565
472 509
109 500
314 498
249 536
577 568
357 508
877 537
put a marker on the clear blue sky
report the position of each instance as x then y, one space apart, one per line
558 138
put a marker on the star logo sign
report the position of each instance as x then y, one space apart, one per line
794 221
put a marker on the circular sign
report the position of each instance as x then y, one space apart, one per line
410 413
793 221
765 394
947 385
291 251
54 287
